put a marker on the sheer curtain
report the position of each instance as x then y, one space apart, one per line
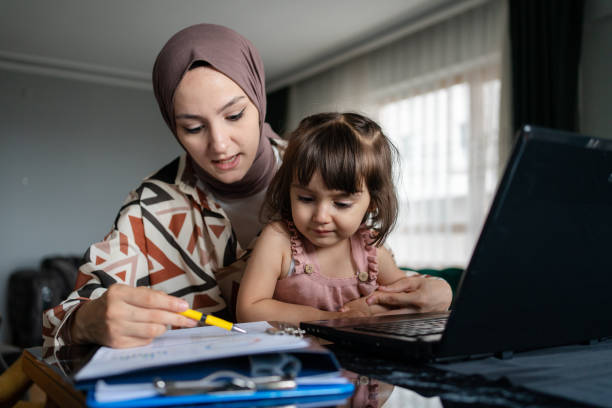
436 92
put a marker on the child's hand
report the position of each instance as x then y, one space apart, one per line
360 305
344 314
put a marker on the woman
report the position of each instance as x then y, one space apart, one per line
180 239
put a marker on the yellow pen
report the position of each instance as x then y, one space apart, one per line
212 320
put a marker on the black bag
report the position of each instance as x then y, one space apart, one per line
30 292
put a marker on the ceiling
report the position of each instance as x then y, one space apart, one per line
121 38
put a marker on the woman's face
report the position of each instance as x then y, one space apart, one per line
216 123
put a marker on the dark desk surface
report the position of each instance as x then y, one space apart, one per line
453 390
380 382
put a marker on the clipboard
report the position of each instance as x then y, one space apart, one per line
304 375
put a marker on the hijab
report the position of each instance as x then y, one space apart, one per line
234 56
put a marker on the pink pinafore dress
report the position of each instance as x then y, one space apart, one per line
305 285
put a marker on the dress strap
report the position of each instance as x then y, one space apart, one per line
365 258
303 262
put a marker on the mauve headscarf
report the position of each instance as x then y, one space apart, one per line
233 55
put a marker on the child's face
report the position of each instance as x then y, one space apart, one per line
327 217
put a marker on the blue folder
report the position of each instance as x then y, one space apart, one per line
324 395
315 363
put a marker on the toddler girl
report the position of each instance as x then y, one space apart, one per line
332 204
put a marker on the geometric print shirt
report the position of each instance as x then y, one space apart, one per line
170 235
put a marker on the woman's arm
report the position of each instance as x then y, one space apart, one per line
416 293
270 257
105 307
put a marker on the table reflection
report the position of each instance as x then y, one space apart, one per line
372 393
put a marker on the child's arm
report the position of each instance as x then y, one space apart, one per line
270 256
388 273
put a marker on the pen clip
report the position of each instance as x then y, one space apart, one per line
223 381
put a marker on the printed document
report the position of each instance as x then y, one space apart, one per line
188 345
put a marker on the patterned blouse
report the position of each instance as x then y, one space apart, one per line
170 235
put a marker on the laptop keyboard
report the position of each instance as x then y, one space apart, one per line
408 328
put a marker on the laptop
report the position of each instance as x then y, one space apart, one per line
541 271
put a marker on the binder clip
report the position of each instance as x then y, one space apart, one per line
286 330
223 381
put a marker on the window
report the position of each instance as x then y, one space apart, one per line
447 141
435 90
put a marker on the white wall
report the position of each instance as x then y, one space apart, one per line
69 153
596 69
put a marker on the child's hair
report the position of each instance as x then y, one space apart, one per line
347 149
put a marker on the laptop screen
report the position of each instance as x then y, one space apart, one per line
541 271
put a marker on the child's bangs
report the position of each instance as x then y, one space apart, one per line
338 155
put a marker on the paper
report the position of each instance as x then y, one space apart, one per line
188 345
123 392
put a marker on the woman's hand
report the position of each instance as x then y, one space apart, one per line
416 293
125 316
